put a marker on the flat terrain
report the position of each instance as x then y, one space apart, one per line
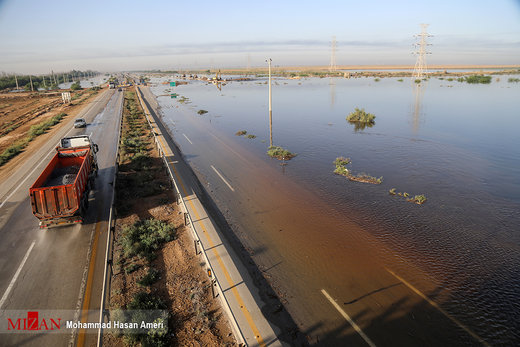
20 111
377 67
48 269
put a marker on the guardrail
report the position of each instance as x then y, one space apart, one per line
216 288
111 226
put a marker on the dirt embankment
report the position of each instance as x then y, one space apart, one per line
21 111
153 252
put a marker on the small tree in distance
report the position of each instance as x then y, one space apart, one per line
75 86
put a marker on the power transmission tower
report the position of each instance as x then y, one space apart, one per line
420 69
332 67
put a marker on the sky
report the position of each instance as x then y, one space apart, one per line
111 35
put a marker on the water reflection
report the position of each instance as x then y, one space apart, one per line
332 84
361 126
418 91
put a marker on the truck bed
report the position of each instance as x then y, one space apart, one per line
57 193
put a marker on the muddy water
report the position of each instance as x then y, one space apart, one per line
453 142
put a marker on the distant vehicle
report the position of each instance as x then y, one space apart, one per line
111 85
80 123
60 195
119 89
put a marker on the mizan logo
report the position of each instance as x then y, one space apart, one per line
32 322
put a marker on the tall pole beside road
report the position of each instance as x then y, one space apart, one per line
270 107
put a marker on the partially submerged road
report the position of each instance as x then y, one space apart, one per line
342 290
238 289
56 271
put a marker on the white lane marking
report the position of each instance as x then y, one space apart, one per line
187 138
347 317
15 277
223 179
25 179
434 304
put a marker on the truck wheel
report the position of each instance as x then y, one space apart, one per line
82 208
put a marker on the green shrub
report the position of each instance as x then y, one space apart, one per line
34 131
360 116
146 301
513 80
75 86
478 79
132 268
41 128
420 199
241 132
145 307
279 153
251 136
144 238
150 278
141 161
9 153
201 112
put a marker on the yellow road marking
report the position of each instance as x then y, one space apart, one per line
434 304
223 267
88 289
229 280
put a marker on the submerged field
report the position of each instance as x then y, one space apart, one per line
453 142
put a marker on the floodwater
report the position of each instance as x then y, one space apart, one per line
456 143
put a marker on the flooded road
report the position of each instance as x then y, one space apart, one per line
445 272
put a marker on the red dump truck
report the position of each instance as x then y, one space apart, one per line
60 195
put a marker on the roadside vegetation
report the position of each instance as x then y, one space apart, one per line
34 131
513 80
418 199
201 112
341 169
280 153
155 269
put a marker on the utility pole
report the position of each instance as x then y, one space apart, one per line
30 79
421 69
270 107
332 67
44 86
16 79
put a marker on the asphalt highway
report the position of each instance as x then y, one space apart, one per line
57 271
